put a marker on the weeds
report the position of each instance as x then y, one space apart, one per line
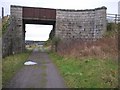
11 64
87 72
102 48
5 24
89 64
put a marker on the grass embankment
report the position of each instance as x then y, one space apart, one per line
0 27
89 64
11 64
5 24
0 73
87 72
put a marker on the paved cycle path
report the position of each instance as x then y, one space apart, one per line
42 75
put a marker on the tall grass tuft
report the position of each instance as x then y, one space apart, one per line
106 47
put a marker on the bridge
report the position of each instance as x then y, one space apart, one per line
89 24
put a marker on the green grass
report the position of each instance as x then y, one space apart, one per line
0 73
11 64
5 26
0 28
87 72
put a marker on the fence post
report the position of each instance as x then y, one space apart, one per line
115 18
2 12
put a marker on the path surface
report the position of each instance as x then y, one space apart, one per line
42 75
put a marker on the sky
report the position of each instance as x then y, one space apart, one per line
38 32
112 7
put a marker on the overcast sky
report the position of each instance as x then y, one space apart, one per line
112 7
37 32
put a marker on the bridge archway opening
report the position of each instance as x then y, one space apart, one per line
37 32
38 16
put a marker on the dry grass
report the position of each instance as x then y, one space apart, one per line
87 72
106 47
91 64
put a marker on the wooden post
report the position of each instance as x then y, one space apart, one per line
115 25
2 12
115 18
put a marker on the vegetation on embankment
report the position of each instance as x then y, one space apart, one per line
0 73
5 24
0 27
91 64
87 72
11 64
105 47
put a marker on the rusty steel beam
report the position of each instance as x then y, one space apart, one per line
39 13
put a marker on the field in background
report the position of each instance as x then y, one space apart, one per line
30 47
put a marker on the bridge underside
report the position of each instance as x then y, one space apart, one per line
42 22
67 24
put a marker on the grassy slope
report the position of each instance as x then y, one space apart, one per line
12 64
78 67
5 24
88 72
0 27
0 73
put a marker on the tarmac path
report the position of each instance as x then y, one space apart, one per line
42 75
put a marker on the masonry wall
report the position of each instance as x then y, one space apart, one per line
16 12
70 24
12 41
80 24
7 39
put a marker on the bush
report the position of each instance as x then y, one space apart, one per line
5 25
55 42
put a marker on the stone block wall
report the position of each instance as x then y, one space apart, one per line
7 39
12 40
80 24
70 24
16 12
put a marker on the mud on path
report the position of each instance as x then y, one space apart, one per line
42 75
